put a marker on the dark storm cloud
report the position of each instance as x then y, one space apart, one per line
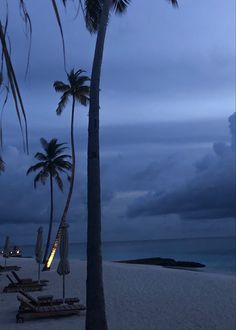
172 132
210 194
134 160
122 148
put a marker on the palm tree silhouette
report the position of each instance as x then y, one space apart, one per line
96 14
97 17
79 91
51 163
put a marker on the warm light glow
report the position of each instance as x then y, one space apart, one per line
50 259
52 254
17 251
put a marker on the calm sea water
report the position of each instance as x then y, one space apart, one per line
218 254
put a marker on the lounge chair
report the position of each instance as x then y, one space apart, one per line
16 287
31 311
27 280
47 300
9 268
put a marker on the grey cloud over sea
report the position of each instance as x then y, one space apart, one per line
136 161
209 194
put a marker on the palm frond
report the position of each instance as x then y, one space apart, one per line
14 87
52 148
58 18
84 90
64 2
22 110
44 144
63 165
78 72
28 28
82 8
82 99
58 151
62 104
41 177
35 167
62 157
174 3
93 10
120 6
82 80
1 116
72 77
61 87
40 156
58 181
2 165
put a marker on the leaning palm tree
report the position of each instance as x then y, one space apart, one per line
79 91
51 163
97 17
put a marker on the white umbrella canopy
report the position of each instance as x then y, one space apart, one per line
6 249
64 266
39 249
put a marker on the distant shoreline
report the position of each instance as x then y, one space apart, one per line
165 262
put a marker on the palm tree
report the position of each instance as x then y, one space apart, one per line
97 17
2 165
79 91
51 163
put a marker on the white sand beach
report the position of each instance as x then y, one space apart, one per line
138 297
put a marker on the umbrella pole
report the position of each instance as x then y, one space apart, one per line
63 278
5 263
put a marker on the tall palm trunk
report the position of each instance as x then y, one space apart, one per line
50 220
47 262
96 314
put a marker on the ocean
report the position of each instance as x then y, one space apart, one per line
218 254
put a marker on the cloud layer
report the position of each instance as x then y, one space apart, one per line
139 165
209 194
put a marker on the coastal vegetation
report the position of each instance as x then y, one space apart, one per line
52 162
78 90
96 14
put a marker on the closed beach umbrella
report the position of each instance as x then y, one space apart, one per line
63 266
39 249
6 250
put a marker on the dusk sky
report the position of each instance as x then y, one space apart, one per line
167 149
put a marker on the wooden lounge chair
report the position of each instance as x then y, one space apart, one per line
32 311
27 280
16 287
9 268
47 300
24 283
